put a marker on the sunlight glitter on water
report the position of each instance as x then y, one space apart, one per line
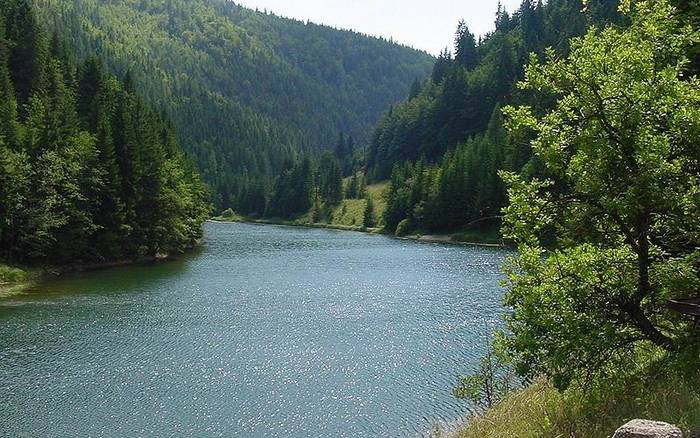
269 331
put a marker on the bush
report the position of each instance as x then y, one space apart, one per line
228 213
539 410
11 275
403 228
491 382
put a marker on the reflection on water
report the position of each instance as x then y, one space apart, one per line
269 331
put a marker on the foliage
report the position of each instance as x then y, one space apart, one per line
330 180
403 228
464 90
292 191
462 190
307 185
356 186
249 92
492 382
377 193
540 410
87 171
613 230
9 274
451 128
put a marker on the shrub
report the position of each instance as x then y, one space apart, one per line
491 382
403 228
11 275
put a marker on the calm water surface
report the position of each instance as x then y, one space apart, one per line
268 331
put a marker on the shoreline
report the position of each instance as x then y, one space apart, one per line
428 238
449 239
36 274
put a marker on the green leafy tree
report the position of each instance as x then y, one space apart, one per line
613 230
397 196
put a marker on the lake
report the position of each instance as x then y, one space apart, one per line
266 331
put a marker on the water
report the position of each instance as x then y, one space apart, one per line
268 331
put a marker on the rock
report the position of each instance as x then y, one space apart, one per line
648 429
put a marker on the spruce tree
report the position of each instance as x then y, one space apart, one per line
465 47
29 50
330 180
90 77
8 104
368 217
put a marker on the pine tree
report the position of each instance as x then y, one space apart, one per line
60 117
89 85
351 190
416 88
29 51
93 178
368 217
330 180
442 66
8 104
465 47
340 150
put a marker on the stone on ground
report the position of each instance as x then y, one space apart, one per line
648 429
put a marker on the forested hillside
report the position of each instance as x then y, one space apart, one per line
88 172
247 90
443 146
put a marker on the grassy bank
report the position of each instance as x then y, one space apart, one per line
541 411
351 212
11 275
14 280
299 222
349 216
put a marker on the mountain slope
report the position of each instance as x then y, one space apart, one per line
246 90
442 148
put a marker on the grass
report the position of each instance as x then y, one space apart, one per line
351 212
10 275
348 215
376 192
541 411
14 280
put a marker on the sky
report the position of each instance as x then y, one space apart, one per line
424 24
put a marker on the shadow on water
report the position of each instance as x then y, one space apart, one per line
139 277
